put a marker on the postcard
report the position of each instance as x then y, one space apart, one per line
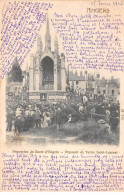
62 95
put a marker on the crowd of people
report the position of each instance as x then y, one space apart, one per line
23 115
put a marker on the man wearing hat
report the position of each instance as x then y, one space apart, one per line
27 124
103 126
38 118
18 114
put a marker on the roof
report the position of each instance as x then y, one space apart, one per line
111 83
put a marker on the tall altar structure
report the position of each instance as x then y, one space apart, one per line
47 68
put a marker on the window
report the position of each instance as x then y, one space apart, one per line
76 82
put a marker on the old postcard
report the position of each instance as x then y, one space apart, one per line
62 95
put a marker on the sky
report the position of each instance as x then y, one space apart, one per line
79 8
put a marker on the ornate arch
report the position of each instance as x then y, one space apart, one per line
47 70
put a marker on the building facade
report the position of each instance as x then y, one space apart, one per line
84 81
93 84
109 87
47 68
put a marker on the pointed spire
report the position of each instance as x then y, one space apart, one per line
39 45
56 48
47 23
47 36
16 62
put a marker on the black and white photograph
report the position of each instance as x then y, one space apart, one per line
47 103
61 96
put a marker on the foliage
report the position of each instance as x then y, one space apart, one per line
16 73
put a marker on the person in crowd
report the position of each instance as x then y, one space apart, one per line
85 100
38 119
9 121
46 119
104 127
93 110
59 118
18 112
32 118
81 108
63 112
70 118
85 111
27 119
114 120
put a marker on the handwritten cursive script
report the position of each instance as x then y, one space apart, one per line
21 22
63 172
